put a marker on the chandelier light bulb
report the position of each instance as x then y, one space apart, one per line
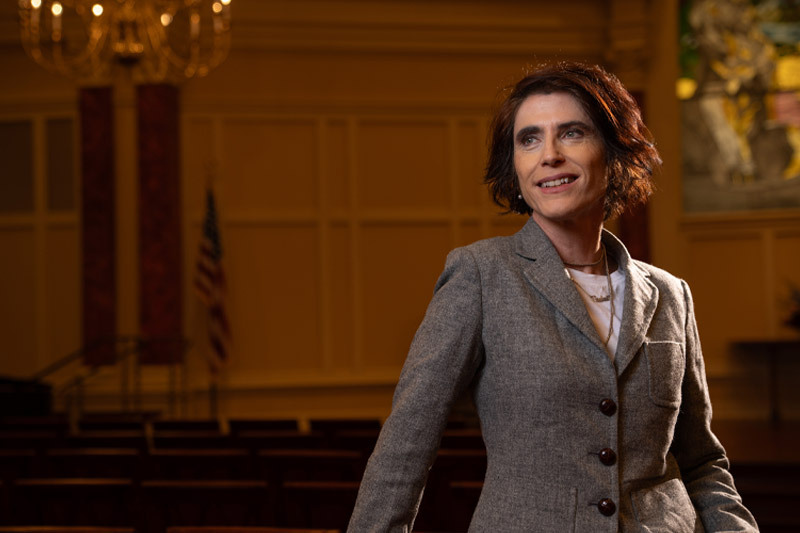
166 19
57 9
36 4
225 2
216 7
97 10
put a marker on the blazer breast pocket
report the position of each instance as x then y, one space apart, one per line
666 363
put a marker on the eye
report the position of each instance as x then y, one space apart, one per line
527 140
573 133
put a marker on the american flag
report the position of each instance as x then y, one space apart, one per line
209 281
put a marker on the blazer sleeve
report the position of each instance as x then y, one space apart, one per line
702 459
443 358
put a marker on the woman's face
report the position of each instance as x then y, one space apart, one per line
559 157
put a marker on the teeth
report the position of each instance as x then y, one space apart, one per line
556 183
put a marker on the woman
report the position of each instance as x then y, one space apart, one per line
585 365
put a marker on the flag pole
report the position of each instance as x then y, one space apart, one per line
213 396
210 285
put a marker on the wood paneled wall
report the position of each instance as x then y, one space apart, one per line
346 141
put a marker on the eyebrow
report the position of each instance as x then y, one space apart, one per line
531 130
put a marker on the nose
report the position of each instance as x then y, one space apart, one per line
551 154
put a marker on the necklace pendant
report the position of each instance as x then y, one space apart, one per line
600 299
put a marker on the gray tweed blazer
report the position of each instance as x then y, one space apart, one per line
506 321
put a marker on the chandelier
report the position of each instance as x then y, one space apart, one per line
158 40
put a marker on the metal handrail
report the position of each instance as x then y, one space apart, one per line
125 346
79 353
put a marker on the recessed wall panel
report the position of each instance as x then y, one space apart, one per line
274 298
729 295
269 163
402 164
16 152
18 312
63 291
61 164
399 266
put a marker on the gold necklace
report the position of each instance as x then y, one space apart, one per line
599 299
602 255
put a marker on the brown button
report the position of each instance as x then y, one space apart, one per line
606 506
607 456
608 407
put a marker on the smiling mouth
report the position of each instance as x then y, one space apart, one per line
557 182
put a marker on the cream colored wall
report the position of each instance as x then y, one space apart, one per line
347 140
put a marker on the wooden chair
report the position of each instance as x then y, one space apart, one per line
17 463
65 529
91 463
5 505
236 426
179 463
185 439
363 440
333 425
56 423
108 438
443 508
131 421
72 501
30 439
278 466
168 503
318 504
202 426
256 529
255 440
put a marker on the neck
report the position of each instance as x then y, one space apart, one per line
576 242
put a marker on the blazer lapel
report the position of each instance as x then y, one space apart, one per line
545 271
641 300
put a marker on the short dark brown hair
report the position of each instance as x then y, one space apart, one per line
631 156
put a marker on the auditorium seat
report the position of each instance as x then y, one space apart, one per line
204 503
191 463
108 438
72 501
771 492
201 426
443 508
318 504
57 423
319 465
64 529
90 463
113 420
218 529
17 463
277 439
237 425
5 505
363 440
31 439
332 425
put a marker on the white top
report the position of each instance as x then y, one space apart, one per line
599 311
